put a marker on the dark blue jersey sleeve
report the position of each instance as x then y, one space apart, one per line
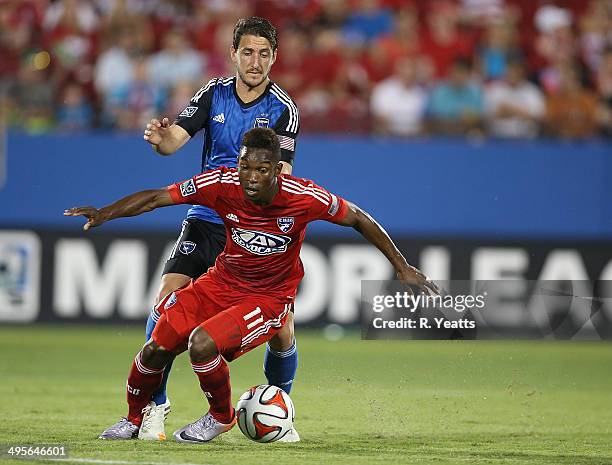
195 116
287 128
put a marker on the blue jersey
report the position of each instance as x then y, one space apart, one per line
225 118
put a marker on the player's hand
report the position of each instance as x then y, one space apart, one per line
414 278
93 215
156 130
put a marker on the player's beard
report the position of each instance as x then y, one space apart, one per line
252 84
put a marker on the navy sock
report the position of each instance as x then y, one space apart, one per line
280 367
159 396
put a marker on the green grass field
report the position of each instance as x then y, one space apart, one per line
357 402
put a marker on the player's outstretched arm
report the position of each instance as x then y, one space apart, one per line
374 233
164 138
132 205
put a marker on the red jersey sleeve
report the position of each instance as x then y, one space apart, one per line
325 205
202 189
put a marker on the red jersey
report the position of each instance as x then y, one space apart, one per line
262 251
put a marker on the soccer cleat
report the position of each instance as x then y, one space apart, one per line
203 430
152 428
291 436
123 429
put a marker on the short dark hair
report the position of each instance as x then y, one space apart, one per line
255 26
262 138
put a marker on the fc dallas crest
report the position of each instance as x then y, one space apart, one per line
285 223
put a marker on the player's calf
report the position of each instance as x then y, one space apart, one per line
281 358
144 378
213 374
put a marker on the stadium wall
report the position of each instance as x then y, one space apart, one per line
445 188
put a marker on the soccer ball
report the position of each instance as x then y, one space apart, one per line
265 413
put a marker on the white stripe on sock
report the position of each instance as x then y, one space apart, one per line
287 353
143 369
207 367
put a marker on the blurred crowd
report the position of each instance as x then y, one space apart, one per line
503 68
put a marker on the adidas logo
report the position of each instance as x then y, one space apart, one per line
232 217
220 118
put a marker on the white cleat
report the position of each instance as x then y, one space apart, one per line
203 430
152 427
291 436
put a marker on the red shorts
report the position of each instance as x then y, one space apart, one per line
236 321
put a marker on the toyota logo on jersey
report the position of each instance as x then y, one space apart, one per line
260 243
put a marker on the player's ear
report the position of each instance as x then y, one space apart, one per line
233 53
278 169
273 57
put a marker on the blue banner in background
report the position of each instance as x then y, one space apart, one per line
449 188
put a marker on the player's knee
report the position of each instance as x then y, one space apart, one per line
283 340
202 347
154 355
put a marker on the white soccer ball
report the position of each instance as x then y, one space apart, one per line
265 413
